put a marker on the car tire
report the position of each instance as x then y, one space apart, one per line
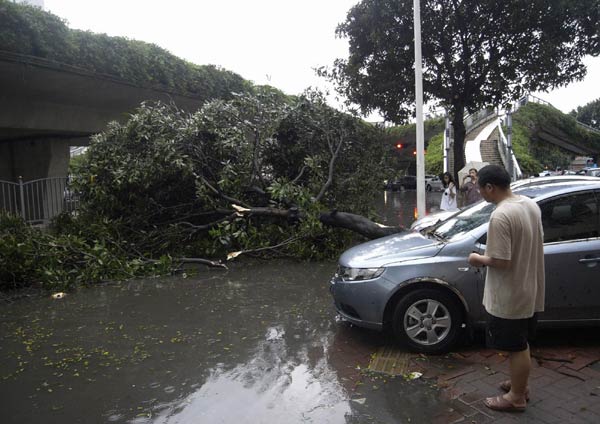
428 187
424 332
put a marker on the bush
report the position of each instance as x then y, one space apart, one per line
55 260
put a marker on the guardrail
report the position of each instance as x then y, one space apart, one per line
38 201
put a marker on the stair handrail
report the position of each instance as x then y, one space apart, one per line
503 149
475 119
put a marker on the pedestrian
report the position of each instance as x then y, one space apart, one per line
514 283
471 188
448 202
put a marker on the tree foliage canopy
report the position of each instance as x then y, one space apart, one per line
475 53
260 174
588 114
171 180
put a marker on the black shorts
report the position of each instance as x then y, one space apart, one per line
511 335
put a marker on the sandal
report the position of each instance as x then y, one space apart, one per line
499 403
505 386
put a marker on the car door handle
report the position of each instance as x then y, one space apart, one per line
588 260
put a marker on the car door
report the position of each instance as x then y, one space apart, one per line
572 256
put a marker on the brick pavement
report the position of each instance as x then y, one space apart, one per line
564 385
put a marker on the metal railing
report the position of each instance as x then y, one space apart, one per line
38 201
481 116
504 153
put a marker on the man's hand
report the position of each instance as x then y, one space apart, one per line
475 259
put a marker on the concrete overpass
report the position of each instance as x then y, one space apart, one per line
46 106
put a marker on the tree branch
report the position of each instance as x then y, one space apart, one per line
358 224
331 168
221 194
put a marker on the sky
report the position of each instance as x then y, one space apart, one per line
275 42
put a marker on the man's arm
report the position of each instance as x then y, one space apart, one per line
475 259
464 186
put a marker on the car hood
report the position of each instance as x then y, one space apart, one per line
391 249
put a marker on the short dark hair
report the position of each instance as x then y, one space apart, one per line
494 175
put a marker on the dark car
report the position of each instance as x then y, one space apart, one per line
406 182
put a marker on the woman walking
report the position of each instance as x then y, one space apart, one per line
449 197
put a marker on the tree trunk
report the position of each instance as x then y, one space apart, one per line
459 139
358 224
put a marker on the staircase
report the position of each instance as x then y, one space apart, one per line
484 141
489 149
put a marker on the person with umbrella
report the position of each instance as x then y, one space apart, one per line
470 188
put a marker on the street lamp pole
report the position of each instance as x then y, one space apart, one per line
447 143
419 110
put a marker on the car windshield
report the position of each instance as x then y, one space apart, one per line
463 222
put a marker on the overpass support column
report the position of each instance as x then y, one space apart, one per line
33 159
26 160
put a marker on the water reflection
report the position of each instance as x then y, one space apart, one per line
257 343
270 388
400 207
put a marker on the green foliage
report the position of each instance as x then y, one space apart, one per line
167 181
475 52
60 260
29 30
588 114
533 153
434 159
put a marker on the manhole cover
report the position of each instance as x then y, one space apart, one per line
389 360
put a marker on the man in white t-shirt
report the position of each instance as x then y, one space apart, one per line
514 284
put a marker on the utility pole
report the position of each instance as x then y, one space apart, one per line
419 110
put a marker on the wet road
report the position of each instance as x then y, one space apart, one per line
258 343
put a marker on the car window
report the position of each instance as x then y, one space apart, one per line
465 221
570 217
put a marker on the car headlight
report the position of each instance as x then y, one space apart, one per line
359 274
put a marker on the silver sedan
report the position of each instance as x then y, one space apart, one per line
419 284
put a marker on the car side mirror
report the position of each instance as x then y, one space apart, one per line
482 240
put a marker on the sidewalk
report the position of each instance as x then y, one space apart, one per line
564 385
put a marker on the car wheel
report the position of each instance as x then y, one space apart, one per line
428 321
428 187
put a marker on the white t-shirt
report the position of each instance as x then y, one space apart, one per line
515 233
449 198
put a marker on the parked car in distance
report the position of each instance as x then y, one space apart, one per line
405 182
594 172
433 183
419 284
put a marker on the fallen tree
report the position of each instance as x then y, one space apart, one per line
262 174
